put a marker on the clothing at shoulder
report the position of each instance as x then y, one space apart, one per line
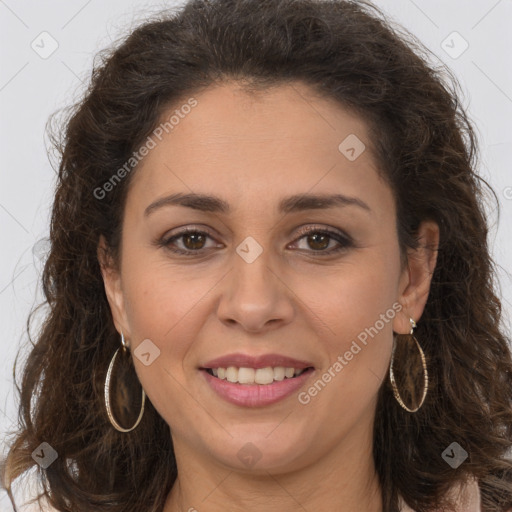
468 498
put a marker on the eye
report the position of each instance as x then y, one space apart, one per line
192 239
319 240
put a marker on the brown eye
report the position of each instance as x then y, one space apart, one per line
188 242
318 241
193 241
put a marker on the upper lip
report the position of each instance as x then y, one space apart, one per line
245 361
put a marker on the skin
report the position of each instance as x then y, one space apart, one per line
252 151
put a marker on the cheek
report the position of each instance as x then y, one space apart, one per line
352 296
359 312
350 313
161 308
168 313
157 295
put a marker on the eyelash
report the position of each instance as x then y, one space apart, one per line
343 239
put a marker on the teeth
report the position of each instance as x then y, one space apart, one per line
247 375
279 373
232 374
255 376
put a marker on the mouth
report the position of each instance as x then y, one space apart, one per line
256 387
260 376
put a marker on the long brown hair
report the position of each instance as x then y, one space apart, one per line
347 51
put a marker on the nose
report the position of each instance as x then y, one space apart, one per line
255 296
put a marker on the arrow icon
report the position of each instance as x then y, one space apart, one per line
454 45
249 454
147 352
44 455
249 249
351 147
44 45
454 455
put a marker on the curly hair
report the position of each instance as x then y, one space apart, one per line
346 51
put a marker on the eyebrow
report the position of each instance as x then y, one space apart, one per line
295 203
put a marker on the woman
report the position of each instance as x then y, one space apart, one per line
269 281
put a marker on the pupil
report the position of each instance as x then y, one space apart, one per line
315 241
194 245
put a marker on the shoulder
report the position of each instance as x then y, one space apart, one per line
467 496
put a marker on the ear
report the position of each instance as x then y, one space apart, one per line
416 277
113 289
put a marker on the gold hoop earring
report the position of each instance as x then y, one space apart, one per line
425 373
110 414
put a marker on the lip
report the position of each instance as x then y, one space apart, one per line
256 395
245 361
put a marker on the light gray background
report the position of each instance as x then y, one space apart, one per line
32 87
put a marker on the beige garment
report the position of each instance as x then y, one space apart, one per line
468 498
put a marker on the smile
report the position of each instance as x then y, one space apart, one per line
240 386
261 376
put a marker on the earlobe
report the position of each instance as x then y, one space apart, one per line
417 276
112 284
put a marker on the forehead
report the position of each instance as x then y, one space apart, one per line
282 139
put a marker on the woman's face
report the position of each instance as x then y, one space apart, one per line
254 283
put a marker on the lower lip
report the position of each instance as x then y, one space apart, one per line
256 395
